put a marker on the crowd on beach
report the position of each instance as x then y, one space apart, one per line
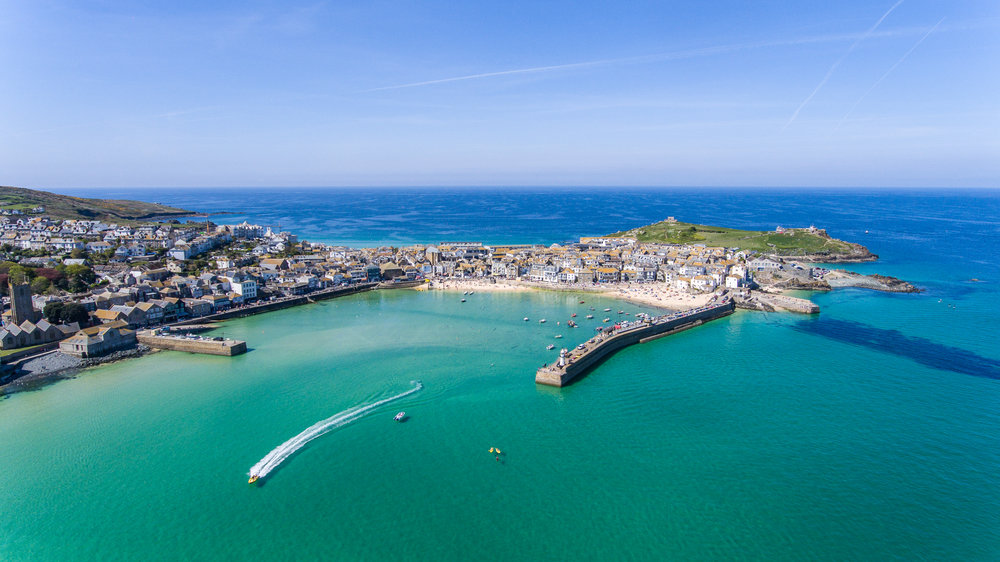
654 294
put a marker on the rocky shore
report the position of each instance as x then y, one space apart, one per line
844 278
56 365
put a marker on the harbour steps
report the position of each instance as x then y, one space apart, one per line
573 363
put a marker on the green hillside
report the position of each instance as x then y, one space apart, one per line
66 207
794 242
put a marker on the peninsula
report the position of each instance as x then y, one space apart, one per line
84 286
19 201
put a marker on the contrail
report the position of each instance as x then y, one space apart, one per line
829 73
675 55
887 72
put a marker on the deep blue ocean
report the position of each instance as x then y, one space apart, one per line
869 431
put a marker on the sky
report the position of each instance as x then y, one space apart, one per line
876 93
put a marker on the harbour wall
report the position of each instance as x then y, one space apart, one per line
226 348
279 304
597 348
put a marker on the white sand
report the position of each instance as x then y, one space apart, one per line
653 294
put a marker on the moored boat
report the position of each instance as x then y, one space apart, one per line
399 416
551 346
590 317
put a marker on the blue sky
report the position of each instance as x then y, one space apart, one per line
765 93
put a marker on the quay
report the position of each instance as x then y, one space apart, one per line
279 303
159 339
572 363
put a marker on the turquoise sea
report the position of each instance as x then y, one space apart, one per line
867 432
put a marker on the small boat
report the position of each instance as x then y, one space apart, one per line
550 347
558 336
591 308
606 320
542 321
253 478
466 293
573 315
607 310
525 318
463 300
472 292
621 312
590 317
399 416
581 302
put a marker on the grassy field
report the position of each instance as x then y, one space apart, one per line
66 207
6 352
796 243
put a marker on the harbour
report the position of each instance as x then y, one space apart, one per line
575 362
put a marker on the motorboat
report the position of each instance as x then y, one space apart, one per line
253 478
590 317
572 315
399 416
558 336
525 318
607 310
463 300
606 320
542 321
551 346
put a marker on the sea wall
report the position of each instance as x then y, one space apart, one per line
279 304
226 348
601 346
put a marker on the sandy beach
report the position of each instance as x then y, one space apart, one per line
652 294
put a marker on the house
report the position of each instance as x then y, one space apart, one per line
197 307
152 313
218 302
99 340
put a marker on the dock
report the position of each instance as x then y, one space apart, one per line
192 344
572 363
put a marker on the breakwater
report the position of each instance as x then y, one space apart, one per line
572 363
209 346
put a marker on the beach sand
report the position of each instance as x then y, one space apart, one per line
652 294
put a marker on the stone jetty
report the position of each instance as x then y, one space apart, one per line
192 344
572 363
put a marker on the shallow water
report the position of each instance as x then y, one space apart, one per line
757 436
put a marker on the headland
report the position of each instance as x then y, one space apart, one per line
120 277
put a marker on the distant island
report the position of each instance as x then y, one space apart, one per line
804 244
23 201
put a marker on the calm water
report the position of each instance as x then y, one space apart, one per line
868 432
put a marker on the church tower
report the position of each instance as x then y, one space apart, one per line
21 308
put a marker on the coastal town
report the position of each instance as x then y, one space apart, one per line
84 287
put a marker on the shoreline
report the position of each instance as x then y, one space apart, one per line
648 294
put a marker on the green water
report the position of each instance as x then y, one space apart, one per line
741 439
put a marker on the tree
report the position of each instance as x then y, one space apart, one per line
75 312
19 274
53 311
78 253
39 285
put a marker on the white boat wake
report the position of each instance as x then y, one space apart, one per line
273 459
